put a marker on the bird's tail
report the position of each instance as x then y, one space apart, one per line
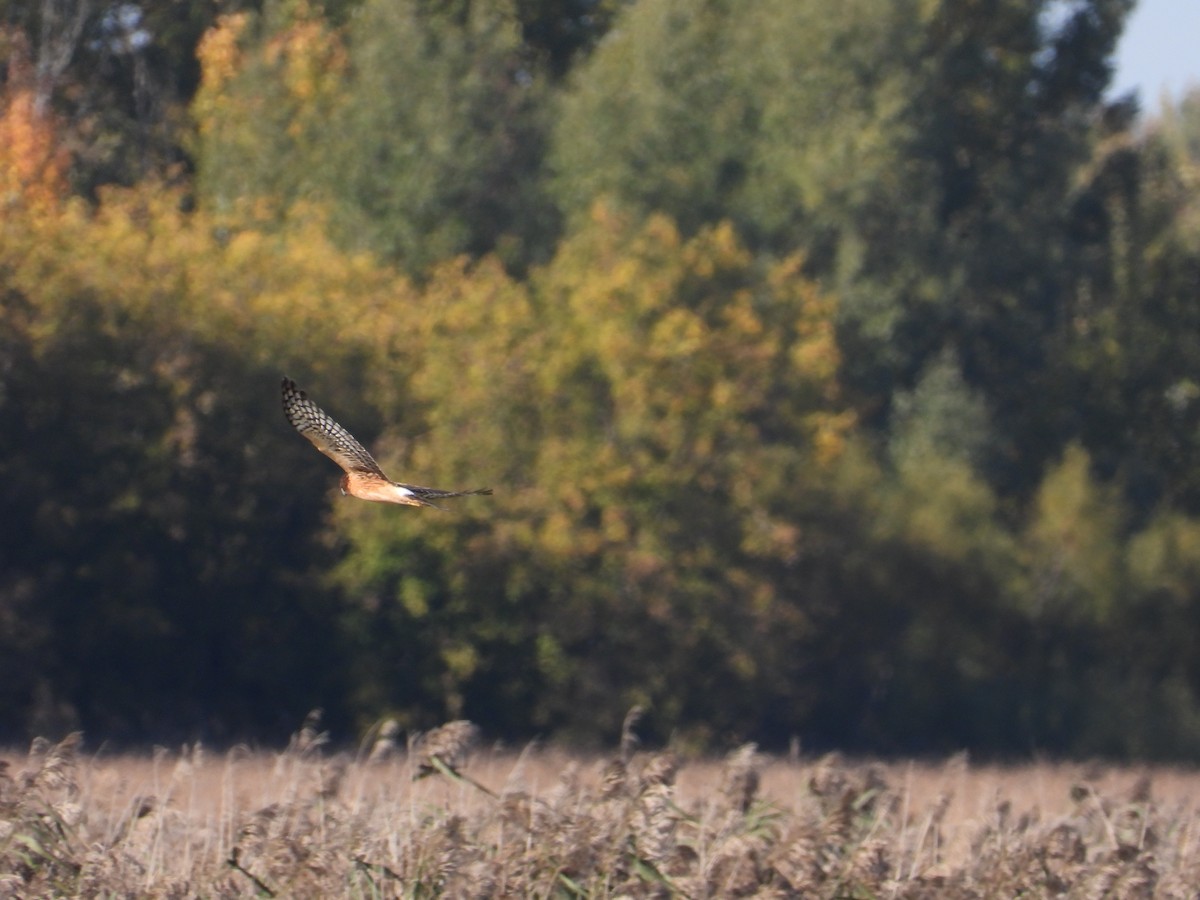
427 495
433 492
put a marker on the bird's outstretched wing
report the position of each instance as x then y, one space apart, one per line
326 434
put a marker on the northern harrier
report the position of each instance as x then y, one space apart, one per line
363 479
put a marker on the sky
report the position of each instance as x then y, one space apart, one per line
1160 49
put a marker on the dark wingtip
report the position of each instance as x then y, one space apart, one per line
288 390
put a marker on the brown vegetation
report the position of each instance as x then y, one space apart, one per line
543 823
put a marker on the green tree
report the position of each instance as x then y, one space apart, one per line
941 416
926 156
442 135
1074 542
419 126
1131 349
1005 111
781 117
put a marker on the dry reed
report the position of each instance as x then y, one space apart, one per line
310 823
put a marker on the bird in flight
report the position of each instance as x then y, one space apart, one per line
363 479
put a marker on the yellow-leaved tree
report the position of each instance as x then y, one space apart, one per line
1073 543
655 414
270 88
161 519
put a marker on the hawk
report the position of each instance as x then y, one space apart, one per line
363 479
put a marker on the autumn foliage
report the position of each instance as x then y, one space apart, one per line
870 422
33 161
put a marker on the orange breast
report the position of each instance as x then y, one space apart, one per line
370 487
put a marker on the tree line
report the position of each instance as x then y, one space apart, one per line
833 365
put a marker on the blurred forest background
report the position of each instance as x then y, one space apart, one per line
836 365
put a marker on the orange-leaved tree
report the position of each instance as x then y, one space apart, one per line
33 162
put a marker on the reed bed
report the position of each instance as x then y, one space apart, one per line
446 816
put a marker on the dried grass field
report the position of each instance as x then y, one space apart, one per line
429 821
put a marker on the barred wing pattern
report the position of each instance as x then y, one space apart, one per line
325 434
363 479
